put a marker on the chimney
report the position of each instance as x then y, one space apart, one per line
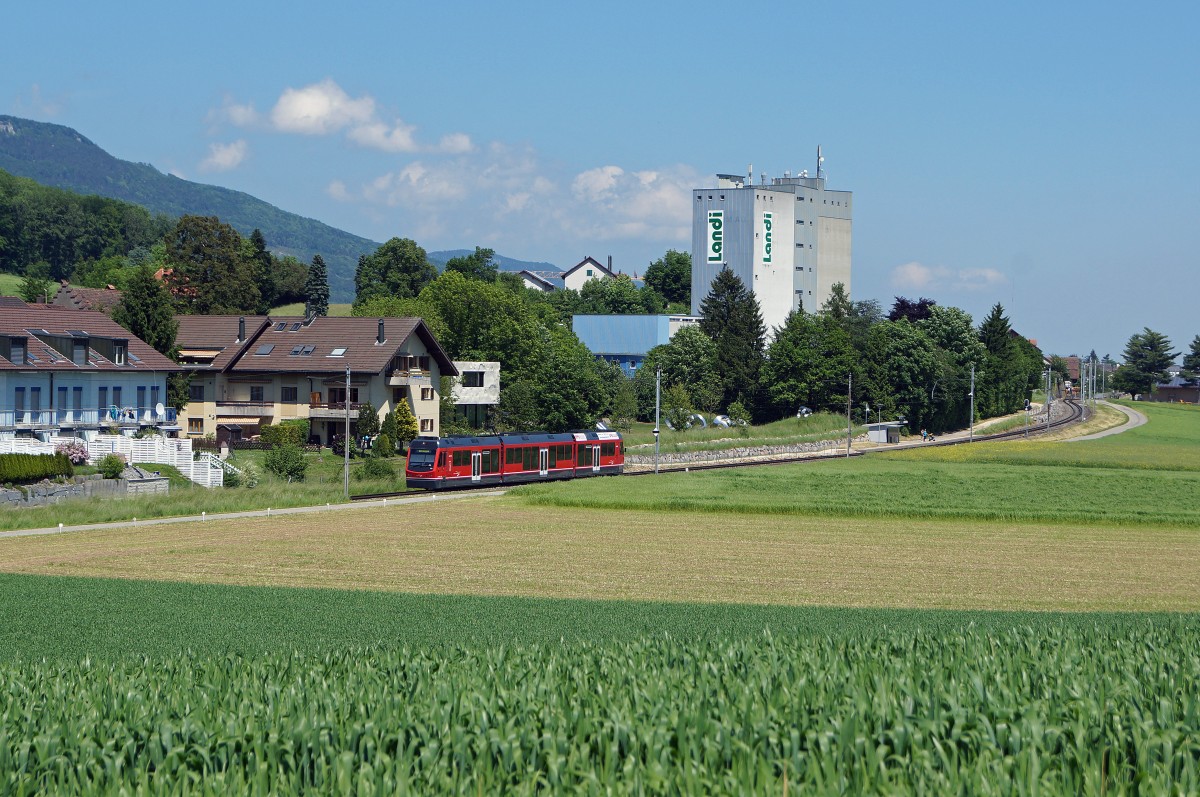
241 329
379 339
610 262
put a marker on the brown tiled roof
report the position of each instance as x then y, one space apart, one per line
102 299
323 335
12 301
57 321
217 333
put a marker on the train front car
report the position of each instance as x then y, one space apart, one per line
449 463
599 453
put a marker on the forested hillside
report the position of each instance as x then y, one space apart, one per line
63 230
59 156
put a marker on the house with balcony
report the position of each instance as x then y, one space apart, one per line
247 371
476 392
77 372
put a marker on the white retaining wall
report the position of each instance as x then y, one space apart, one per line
159 450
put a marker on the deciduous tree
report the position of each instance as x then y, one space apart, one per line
671 276
208 274
398 268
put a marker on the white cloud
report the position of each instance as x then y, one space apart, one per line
379 136
337 190
455 144
596 183
919 277
223 157
320 109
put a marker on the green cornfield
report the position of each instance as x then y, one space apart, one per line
1050 710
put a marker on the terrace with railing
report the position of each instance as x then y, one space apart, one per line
75 418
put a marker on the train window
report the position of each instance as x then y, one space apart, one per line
491 461
585 455
442 459
608 449
418 457
552 456
529 458
462 457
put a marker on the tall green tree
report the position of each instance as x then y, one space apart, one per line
733 320
262 265
838 306
1147 356
807 364
36 287
1191 360
398 268
316 288
671 276
145 310
208 273
406 427
479 265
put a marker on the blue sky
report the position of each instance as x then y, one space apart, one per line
1039 155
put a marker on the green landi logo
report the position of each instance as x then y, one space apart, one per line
716 235
767 237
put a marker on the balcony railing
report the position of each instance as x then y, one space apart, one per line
76 418
255 408
401 377
331 409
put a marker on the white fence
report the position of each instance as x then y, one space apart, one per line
157 450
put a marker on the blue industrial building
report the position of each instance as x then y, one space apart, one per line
626 339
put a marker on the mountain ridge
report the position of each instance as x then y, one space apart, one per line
62 157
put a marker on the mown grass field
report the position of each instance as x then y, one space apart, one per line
687 633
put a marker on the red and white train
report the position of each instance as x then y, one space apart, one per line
447 463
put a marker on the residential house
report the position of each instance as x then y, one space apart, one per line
626 339
75 298
254 370
476 392
573 278
1178 390
77 372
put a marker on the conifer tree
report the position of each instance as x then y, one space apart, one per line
145 310
316 288
733 320
264 271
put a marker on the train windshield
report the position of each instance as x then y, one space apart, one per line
419 457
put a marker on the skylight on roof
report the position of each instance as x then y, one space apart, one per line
77 333
296 350
282 325
340 351
308 350
134 357
31 357
296 326
264 349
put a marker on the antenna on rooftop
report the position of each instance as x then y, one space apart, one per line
820 160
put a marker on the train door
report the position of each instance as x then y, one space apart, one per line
476 458
595 458
543 461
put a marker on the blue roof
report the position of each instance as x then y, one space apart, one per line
622 334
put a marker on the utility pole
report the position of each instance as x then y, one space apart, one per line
657 405
1049 401
849 393
346 440
972 395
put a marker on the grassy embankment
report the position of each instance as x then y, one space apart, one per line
297 309
322 484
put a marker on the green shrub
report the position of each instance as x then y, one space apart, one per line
26 468
383 446
287 462
375 469
111 466
293 432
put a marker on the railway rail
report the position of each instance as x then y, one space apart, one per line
1073 416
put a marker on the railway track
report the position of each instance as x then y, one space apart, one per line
1076 412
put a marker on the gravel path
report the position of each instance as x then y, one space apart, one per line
1133 420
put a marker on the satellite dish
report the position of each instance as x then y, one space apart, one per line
159 409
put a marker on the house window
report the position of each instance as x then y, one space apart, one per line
35 399
79 353
287 394
18 352
103 403
423 363
589 272
119 353
141 397
472 379
426 394
195 392
256 393
195 426
427 424
154 396
117 395
399 394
